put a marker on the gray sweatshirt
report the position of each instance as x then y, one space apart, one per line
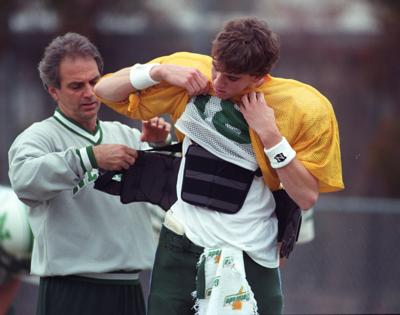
76 228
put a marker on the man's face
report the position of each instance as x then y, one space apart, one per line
75 96
228 85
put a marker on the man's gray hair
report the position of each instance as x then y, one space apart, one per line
68 45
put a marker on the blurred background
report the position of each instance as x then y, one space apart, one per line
347 49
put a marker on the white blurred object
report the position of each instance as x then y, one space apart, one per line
307 232
15 234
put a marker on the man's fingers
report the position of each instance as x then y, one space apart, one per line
121 165
114 156
126 161
130 159
160 123
131 152
125 164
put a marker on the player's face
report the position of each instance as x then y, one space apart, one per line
75 96
227 85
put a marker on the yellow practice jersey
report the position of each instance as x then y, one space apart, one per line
303 115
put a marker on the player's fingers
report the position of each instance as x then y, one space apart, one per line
197 82
245 100
195 86
253 97
190 89
260 98
206 89
201 80
202 83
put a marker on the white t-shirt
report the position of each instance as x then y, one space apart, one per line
219 127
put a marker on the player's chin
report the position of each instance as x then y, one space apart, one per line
221 95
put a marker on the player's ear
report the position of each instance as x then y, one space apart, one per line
257 80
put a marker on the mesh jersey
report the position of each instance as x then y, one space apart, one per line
303 115
219 127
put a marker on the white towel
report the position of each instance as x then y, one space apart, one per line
221 285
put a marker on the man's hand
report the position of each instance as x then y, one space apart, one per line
114 157
191 79
261 118
155 130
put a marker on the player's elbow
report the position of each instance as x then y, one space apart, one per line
309 200
99 89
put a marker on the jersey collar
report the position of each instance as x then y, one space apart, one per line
76 128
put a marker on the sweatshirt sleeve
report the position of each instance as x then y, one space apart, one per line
37 173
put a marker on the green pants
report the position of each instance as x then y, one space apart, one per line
72 295
174 274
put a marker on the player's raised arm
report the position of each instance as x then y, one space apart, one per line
116 87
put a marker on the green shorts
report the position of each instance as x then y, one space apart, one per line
174 274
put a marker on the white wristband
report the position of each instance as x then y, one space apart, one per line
281 154
139 75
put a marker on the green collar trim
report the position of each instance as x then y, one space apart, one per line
95 138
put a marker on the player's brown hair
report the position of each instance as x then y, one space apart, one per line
245 46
